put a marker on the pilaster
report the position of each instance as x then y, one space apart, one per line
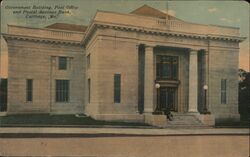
193 81
149 80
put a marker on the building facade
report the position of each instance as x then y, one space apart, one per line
127 67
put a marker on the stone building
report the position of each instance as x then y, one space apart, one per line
126 67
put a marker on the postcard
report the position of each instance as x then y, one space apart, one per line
124 78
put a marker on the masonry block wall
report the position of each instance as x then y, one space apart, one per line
109 56
110 45
39 61
92 76
223 64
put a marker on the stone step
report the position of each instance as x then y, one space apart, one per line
185 120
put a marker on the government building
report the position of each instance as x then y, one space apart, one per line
126 67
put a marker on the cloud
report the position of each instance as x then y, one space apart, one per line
230 21
212 10
3 48
3 65
244 57
171 12
226 20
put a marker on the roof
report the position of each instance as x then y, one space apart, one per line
146 10
70 27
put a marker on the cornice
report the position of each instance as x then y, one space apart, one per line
154 31
225 38
48 29
37 39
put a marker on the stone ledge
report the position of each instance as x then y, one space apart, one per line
119 117
156 120
206 119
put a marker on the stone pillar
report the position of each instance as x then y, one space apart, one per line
193 81
206 106
149 80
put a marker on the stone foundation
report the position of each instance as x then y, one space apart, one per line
206 119
156 120
119 117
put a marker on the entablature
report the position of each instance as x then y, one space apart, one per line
8 37
169 33
43 35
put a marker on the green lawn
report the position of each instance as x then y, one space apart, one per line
72 120
230 124
53 120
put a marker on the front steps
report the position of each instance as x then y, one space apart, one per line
180 120
3 114
185 120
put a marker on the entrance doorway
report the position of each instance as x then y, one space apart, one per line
167 97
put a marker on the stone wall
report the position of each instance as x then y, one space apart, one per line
109 56
39 61
223 64
92 105
114 51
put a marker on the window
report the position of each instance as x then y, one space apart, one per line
117 88
223 91
89 89
29 90
88 61
167 67
62 90
62 63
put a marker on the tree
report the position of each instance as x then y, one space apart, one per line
244 94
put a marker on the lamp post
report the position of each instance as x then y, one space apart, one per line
157 86
205 110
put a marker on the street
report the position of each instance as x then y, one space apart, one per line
129 146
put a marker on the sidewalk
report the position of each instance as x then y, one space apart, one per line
58 131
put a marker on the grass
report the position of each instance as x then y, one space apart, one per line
55 120
84 121
231 124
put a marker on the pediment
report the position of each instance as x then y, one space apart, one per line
69 27
146 10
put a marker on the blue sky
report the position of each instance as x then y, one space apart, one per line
225 13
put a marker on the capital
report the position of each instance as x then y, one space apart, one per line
149 48
150 45
194 50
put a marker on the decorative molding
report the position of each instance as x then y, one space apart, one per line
104 25
95 25
36 39
195 50
149 46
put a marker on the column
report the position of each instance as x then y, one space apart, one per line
205 107
193 81
149 80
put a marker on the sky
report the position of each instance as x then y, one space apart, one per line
225 13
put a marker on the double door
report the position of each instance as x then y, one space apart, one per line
167 99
